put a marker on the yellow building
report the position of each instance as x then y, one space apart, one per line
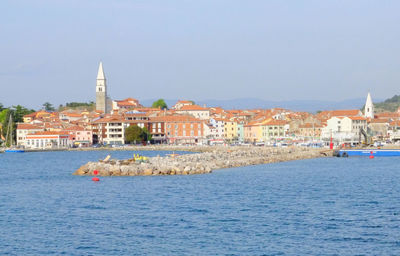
231 130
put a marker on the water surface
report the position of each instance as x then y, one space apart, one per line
329 206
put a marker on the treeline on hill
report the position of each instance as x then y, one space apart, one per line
90 106
391 104
17 113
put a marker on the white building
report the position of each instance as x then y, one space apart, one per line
344 128
47 140
23 130
219 127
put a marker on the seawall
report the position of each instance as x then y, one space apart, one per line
210 158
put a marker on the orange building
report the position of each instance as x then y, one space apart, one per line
183 129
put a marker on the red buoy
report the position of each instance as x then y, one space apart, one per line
371 157
95 172
95 179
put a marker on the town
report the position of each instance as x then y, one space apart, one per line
186 123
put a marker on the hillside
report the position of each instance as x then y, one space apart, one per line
391 104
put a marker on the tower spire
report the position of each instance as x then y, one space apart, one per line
101 90
369 107
100 73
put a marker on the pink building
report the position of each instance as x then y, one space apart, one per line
79 136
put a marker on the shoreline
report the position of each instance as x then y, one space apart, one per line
207 160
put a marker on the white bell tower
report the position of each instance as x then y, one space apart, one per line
369 107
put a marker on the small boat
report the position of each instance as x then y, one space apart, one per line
14 150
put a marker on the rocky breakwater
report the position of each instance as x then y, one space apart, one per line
198 163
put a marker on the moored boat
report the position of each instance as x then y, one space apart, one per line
12 150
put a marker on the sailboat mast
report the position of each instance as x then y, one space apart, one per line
9 136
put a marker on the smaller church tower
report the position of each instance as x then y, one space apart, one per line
101 90
369 108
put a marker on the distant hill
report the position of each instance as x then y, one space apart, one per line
252 103
391 104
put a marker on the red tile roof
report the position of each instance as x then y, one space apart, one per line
193 108
28 127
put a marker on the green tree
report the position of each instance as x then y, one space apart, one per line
1 107
4 114
133 134
146 135
48 106
159 104
19 111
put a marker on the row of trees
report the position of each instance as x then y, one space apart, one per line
17 112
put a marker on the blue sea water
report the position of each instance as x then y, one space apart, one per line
329 206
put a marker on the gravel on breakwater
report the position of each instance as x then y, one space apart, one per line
208 160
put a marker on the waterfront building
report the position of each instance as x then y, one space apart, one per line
219 126
231 130
344 128
273 129
369 107
47 140
23 129
240 132
253 132
79 136
183 129
156 127
209 131
109 130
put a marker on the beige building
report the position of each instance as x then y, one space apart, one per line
195 110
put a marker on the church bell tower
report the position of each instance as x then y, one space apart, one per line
101 90
369 108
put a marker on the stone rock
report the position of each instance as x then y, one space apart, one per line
147 172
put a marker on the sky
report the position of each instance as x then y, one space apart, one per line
209 49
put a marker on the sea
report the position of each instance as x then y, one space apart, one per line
325 206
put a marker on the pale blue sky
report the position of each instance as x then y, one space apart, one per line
273 50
